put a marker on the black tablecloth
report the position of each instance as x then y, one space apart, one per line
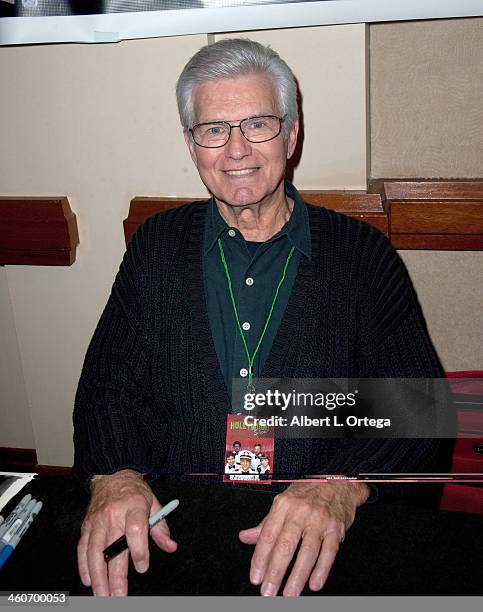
390 549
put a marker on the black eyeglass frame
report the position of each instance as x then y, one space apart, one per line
280 121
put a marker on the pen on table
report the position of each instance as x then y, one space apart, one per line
12 545
121 543
13 515
17 523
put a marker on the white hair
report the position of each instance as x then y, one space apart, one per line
230 58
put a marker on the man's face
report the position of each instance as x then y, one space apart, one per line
257 449
264 462
231 460
237 448
240 173
245 464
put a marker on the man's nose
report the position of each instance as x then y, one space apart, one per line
238 146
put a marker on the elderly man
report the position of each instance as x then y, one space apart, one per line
251 283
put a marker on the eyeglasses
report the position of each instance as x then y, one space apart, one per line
254 129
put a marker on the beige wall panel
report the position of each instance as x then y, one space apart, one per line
329 63
99 124
426 98
15 424
450 291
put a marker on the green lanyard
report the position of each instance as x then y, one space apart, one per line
251 358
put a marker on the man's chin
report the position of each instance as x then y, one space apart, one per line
241 198
237 202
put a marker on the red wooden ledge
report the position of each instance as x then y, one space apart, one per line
367 207
37 231
439 215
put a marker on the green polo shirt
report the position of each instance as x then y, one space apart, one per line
255 272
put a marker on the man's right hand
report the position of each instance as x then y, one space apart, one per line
121 503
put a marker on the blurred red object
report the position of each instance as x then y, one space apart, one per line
468 450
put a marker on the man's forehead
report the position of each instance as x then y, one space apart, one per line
234 99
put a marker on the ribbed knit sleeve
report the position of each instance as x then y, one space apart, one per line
114 425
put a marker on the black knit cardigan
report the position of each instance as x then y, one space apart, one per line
151 394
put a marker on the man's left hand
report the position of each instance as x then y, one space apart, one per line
316 515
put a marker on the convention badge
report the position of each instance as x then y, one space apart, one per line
249 451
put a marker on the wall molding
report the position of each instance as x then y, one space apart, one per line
37 231
365 206
436 214
52 470
18 457
141 208
414 213
25 460
368 207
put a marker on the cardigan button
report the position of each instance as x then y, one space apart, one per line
244 372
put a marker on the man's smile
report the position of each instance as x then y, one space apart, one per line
242 172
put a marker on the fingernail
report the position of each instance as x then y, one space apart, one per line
118 593
292 592
269 589
86 580
316 584
142 566
256 576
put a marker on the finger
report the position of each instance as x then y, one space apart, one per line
250 536
160 532
330 548
282 554
117 572
162 537
306 559
96 562
137 528
82 566
269 532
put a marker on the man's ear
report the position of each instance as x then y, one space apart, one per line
292 139
191 146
